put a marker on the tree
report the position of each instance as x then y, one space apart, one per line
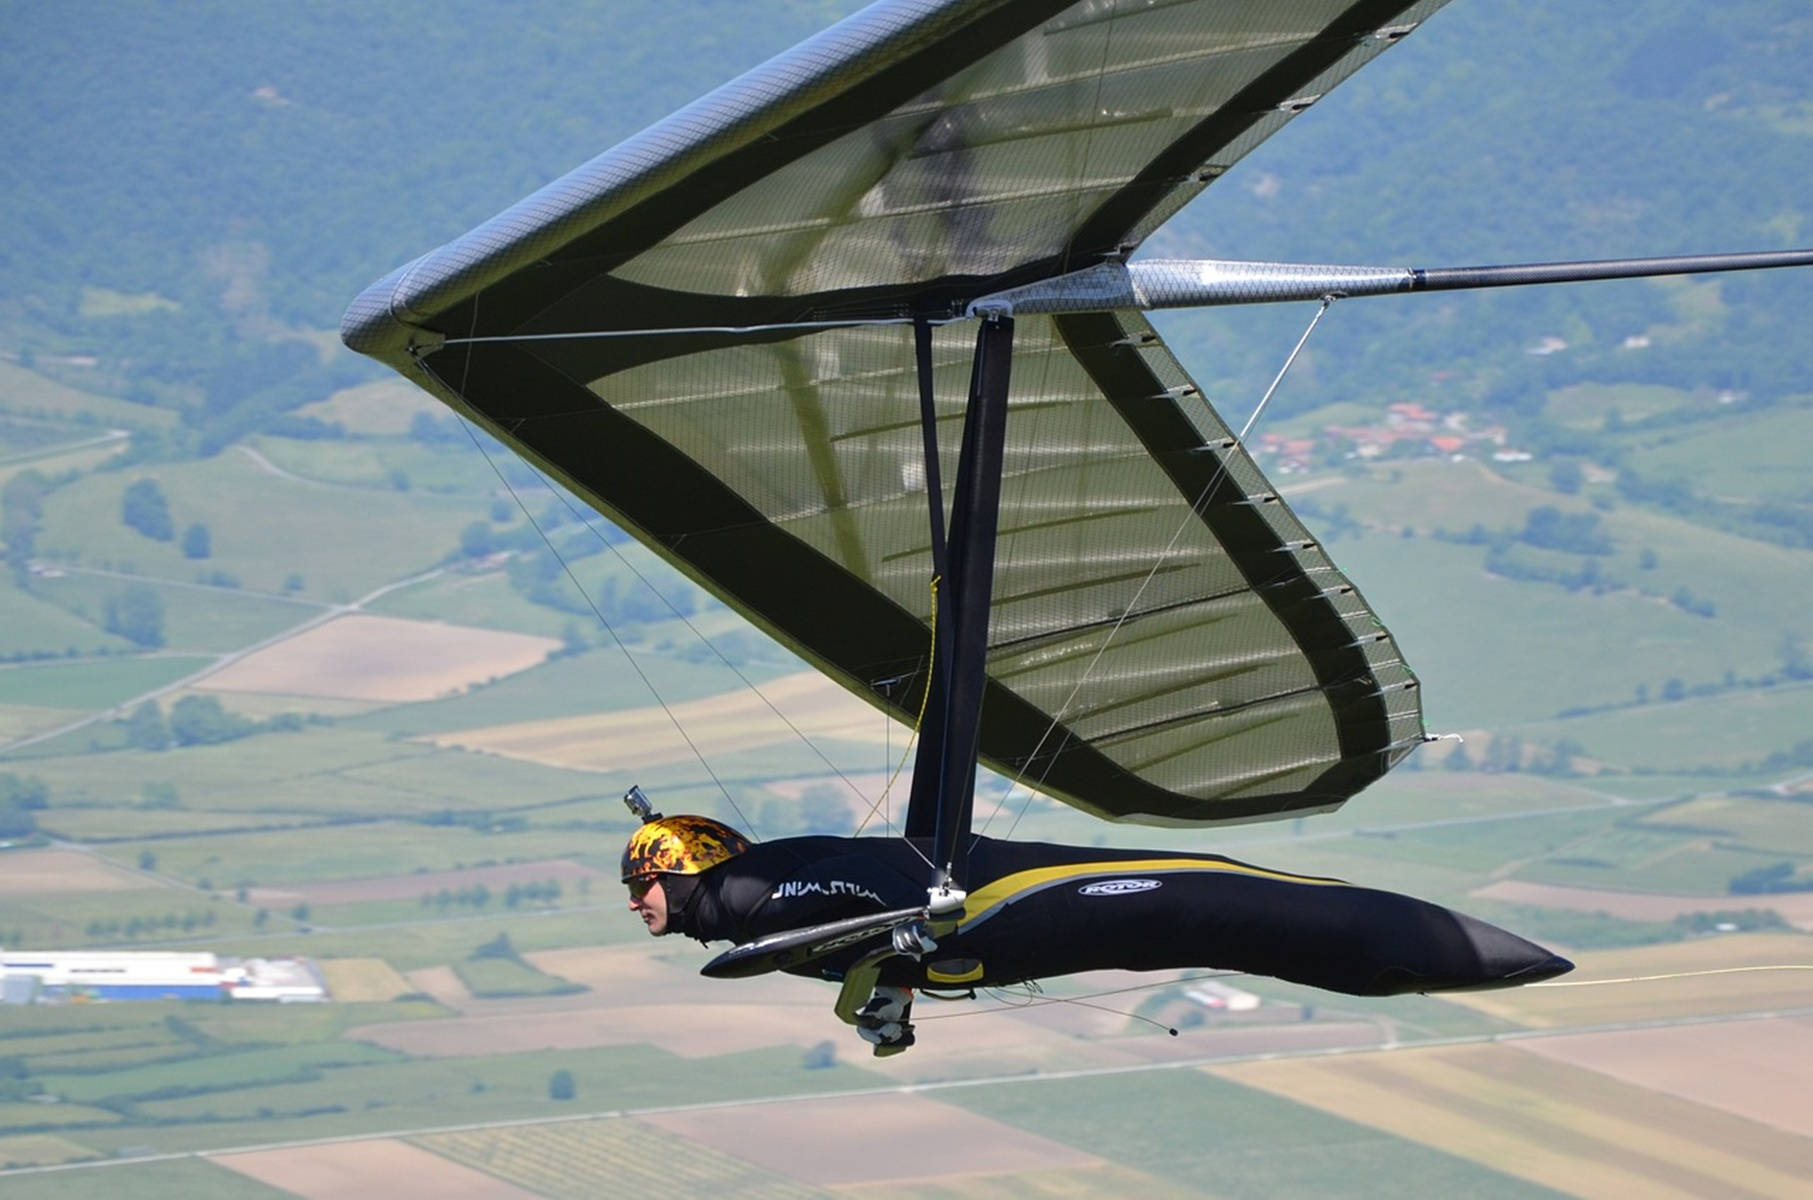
561 1086
145 729
196 541
16 821
144 508
1567 476
25 793
136 614
147 861
201 721
476 540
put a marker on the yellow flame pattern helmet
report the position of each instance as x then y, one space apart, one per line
680 846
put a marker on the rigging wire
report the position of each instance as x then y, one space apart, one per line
1196 505
585 520
1037 997
918 721
567 568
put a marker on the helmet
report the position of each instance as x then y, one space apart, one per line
680 846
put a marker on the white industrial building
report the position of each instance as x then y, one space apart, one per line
76 975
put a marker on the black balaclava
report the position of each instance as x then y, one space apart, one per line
682 893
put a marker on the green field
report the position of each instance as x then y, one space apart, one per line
166 917
91 684
317 772
497 978
198 617
485 600
1741 456
434 941
359 851
28 394
1722 732
596 681
265 528
1199 1132
179 1179
374 463
29 624
434 1093
1493 653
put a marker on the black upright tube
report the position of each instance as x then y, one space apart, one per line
944 771
922 807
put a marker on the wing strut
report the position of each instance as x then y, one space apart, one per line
944 771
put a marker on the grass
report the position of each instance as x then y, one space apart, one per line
596 681
1693 867
319 771
180 1179
86 450
1765 824
30 624
89 683
107 824
494 978
1726 731
319 853
29 394
440 1092
1586 405
1743 455
342 542
40 1149
578 1160
372 464
1190 1128
235 1069
198 618
485 600
382 408
63 921
438 942
1495 654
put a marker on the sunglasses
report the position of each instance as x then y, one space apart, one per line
641 885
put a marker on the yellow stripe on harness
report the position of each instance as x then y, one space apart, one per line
983 902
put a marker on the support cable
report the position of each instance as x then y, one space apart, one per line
1170 547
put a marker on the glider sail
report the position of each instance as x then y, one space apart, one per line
707 333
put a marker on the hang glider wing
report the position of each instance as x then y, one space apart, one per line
1167 643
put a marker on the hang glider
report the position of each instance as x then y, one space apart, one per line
737 333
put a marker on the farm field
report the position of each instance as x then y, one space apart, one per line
1545 1121
384 1167
89 683
363 657
199 617
786 708
266 528
577 1160
1733 982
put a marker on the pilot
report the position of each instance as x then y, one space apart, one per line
1036 910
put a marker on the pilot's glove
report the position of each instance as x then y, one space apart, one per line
882 1020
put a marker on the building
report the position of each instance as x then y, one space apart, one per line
53 976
